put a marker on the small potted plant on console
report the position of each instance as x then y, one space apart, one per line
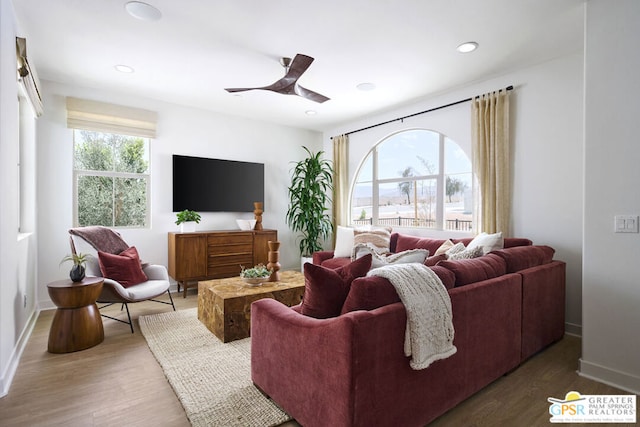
187 220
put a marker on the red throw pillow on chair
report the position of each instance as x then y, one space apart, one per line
124 268
325 290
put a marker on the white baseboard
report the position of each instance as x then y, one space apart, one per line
621 380
573 329
16 354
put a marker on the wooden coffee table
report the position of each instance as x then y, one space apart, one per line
224 305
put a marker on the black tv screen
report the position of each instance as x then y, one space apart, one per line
215 185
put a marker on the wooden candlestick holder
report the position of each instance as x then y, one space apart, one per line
257 214
274 261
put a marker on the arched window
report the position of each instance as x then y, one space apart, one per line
414 178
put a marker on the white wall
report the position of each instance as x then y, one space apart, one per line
181 130
17 251
611 271
546 134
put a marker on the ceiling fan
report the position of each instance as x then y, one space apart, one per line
288 85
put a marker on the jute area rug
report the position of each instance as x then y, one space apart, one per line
211 379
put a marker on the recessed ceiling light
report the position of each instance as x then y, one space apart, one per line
311 112
366 86
124 69
467 47
143 11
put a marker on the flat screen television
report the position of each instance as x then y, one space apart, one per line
215 185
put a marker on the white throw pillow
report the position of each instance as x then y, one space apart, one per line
344 242
488 242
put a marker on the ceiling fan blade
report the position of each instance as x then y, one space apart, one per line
298 66
309 94
239 89
288 85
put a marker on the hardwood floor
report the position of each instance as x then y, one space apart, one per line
119 383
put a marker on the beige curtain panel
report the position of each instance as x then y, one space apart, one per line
491 161
104 117
340 181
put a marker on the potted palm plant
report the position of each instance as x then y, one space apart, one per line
309 195
187 220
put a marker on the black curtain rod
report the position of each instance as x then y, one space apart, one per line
417 114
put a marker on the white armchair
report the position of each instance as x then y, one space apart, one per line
113 292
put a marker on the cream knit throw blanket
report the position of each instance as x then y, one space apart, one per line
429 332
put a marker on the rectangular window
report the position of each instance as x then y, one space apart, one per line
111 179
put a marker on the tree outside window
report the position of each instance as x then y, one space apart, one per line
111 179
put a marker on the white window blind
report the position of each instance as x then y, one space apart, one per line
110 118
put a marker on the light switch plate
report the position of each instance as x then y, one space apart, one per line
626 223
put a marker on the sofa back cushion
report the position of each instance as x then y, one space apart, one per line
404 242
523 257
334 263
447 277
325 289
512 242
476 269
509 242
371 292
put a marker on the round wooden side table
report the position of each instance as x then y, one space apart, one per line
77 324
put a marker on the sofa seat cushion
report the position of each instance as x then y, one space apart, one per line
369 293
523 257
475 270
325 289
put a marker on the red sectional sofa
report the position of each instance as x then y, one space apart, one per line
351 370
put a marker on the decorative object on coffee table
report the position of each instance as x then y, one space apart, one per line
274 260
255 276
78 270
257 212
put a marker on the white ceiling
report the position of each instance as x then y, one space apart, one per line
199 47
